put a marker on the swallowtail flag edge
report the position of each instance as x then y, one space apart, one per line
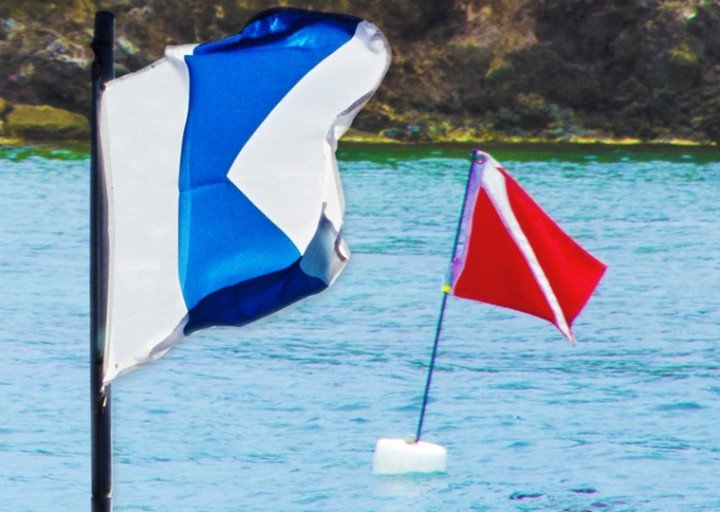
224 201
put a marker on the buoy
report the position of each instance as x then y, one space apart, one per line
397 456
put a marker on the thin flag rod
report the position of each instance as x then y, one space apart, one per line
431 367
103 70
445 290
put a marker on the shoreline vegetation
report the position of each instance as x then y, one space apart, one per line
63 131
569 72
52 128
30 125
25 125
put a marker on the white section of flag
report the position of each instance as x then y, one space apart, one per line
494 183
301 152
147 111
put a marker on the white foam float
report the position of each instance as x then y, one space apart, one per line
398 456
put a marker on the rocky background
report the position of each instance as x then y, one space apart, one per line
551 70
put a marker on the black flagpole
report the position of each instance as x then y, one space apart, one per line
103 70
445 291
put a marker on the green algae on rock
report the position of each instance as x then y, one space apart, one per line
43 122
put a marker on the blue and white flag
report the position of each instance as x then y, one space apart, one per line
224 199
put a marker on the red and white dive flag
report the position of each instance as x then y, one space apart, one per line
510 252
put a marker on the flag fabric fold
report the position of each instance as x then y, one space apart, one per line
512 254
224 198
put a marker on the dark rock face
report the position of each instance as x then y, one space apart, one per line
553 69
44 57
39 65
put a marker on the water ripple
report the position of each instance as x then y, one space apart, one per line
284 413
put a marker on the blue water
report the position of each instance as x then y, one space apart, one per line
284 414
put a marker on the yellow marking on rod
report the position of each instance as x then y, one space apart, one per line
446 288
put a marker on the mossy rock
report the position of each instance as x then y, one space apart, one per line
43 122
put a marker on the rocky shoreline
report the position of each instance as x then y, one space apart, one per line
548 71
42 125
